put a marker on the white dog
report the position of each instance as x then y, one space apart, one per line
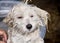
25 23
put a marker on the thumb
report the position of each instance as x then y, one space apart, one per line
5 37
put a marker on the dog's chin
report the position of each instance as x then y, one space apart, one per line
26 31
30 31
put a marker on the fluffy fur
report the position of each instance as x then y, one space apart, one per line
22 15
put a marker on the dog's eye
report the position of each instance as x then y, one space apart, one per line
31 16
20 17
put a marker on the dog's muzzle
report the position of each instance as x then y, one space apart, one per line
29 26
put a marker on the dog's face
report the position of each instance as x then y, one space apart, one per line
27 18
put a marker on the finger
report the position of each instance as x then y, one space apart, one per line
5 37
3 33
2 42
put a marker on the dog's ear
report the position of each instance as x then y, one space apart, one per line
8 19
44 15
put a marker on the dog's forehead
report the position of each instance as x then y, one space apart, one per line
22 10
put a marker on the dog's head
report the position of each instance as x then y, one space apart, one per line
26 18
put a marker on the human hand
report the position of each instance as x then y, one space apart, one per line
2 42
3 36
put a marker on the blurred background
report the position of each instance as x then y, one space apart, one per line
52 6
5 6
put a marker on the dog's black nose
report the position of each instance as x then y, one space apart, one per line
29 26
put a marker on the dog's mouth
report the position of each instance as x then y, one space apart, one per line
29 28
